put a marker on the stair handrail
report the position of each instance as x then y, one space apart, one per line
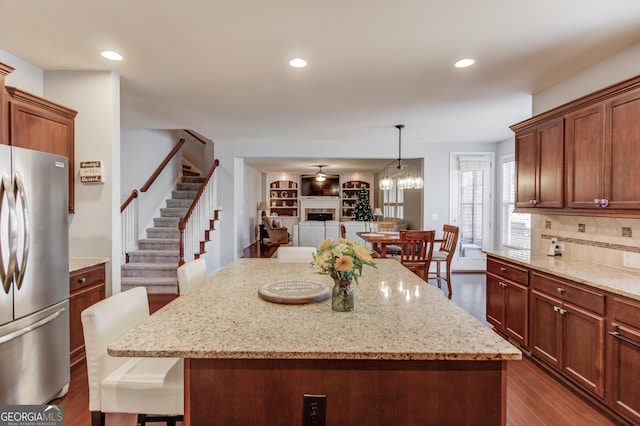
132 196
128 211
202 209
162 165
196 136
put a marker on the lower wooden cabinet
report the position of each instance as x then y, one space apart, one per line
624 359
507 308
86 287
568 330
508 300
588 336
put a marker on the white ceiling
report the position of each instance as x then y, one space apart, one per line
221 67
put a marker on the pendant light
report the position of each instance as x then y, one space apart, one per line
405 177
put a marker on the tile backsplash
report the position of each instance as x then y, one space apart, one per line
592 239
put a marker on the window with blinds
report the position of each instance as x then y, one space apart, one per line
393 203
470 207
516 227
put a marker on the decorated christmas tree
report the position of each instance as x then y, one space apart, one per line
362 208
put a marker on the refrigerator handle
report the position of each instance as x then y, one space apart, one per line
19 190
6 275
46 320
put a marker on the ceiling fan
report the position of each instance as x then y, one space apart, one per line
321 176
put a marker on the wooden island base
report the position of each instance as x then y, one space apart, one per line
372 392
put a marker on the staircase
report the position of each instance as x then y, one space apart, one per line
154 265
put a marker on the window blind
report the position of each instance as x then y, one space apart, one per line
516 227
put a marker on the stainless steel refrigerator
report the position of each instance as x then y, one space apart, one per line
34 270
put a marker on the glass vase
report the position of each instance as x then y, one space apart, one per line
342 296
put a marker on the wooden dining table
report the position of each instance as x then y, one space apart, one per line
380 240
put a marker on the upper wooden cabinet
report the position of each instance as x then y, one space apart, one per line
4 127
600 135
539 165
35 123
603 150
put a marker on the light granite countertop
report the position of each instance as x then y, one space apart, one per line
614 280
76 263
397 316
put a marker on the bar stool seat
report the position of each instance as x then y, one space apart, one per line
153 388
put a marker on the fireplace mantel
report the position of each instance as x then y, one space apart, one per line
320 205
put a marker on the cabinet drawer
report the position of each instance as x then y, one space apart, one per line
626 312
569 293
508 271
86 276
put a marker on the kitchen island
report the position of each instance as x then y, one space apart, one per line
406 355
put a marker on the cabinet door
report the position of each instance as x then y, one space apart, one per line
585 157
43 126
546 329
526 167
624 372
516 321
495 302
78 302
622 136
550 183
583 345
624 358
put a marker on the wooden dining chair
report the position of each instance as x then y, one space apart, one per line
444 254
416 249
385 227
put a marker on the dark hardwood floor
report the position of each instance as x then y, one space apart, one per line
534 397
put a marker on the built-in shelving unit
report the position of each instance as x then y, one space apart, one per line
349 196
283 198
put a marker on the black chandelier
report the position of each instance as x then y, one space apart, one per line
405 173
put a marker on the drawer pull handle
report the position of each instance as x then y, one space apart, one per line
503 269
619 336
503 285
559 310
82 280
560 290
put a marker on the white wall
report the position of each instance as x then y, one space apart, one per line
26 77
142 151
198 154
252 196
94 229
619 67
437 194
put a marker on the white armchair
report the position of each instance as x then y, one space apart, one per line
332 229
153 388
310 233
354 226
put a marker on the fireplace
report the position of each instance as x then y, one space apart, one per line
319 214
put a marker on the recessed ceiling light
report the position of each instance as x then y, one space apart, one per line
464 63
111 55
298 63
